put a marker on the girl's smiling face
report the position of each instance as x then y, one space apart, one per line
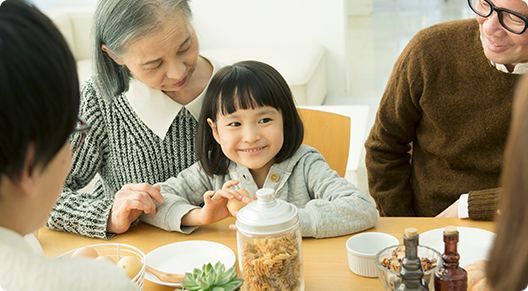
250 137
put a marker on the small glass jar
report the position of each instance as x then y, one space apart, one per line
269 244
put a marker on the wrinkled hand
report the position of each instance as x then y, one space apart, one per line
130 202
450 212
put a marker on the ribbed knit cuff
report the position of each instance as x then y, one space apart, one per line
483 204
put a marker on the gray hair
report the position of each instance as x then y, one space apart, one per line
116 23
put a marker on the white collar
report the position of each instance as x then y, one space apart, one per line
158 110
520 68
14 239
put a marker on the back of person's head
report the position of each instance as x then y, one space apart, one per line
116 24
245 85
509 256
39 89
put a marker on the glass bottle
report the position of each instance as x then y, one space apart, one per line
269 244
450 276
411 270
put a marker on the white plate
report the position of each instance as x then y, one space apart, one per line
473 243
183 257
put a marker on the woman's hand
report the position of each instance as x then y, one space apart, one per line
129 203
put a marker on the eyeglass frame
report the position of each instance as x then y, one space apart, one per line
499 11
82 129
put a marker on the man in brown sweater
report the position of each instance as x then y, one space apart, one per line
448 105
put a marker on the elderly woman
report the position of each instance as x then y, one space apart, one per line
143 102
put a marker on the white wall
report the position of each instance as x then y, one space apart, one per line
246 23
45 4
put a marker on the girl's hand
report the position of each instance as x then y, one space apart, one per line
129 203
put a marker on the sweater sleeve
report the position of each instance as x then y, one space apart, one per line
181 194
483 204
388 146
85 213
337 207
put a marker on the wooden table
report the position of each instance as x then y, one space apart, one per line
325 260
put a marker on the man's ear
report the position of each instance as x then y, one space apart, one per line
27 179
106 50
213 129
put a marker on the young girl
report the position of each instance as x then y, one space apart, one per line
249 136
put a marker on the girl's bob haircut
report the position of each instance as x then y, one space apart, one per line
245 85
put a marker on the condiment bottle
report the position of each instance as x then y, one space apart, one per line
450 276
269 244
411 270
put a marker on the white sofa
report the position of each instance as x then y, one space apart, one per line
303 66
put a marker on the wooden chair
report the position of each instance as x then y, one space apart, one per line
329 133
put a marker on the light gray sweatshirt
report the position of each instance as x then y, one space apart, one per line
328 204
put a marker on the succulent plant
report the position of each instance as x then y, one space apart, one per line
212 279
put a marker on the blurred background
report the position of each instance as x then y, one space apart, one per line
361 39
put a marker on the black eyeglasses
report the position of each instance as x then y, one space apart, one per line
78 134
510 20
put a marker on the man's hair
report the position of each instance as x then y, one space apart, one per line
39 88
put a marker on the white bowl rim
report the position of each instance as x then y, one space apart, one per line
438 263
365 255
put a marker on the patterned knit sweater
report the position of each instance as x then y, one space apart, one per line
447 100
120 149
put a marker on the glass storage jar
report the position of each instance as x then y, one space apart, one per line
269 244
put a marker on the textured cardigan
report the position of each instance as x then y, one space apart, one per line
120 149
328 204
446 100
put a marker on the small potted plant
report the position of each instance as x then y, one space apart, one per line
211 278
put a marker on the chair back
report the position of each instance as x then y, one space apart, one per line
329 133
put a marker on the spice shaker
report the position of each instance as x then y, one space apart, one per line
269 244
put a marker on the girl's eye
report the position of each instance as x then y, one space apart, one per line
234 124
265 120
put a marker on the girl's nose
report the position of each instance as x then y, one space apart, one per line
251 134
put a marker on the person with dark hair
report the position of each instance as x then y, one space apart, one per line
508 259
249 137
437 143
143 103
39 93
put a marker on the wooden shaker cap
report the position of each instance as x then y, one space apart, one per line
450 230
411 232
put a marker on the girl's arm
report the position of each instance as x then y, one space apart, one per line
189 202
337 206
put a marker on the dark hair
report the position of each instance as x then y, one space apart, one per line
39 88
508 260
116 24
244 85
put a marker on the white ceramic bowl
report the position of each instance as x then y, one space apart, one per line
363 247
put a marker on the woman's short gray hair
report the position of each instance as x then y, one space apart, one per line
116 23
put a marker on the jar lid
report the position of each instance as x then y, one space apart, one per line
267 215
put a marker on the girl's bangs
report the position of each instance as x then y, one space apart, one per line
241 95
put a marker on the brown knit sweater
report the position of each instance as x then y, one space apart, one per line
447 100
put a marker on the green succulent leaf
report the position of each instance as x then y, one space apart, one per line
212 278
